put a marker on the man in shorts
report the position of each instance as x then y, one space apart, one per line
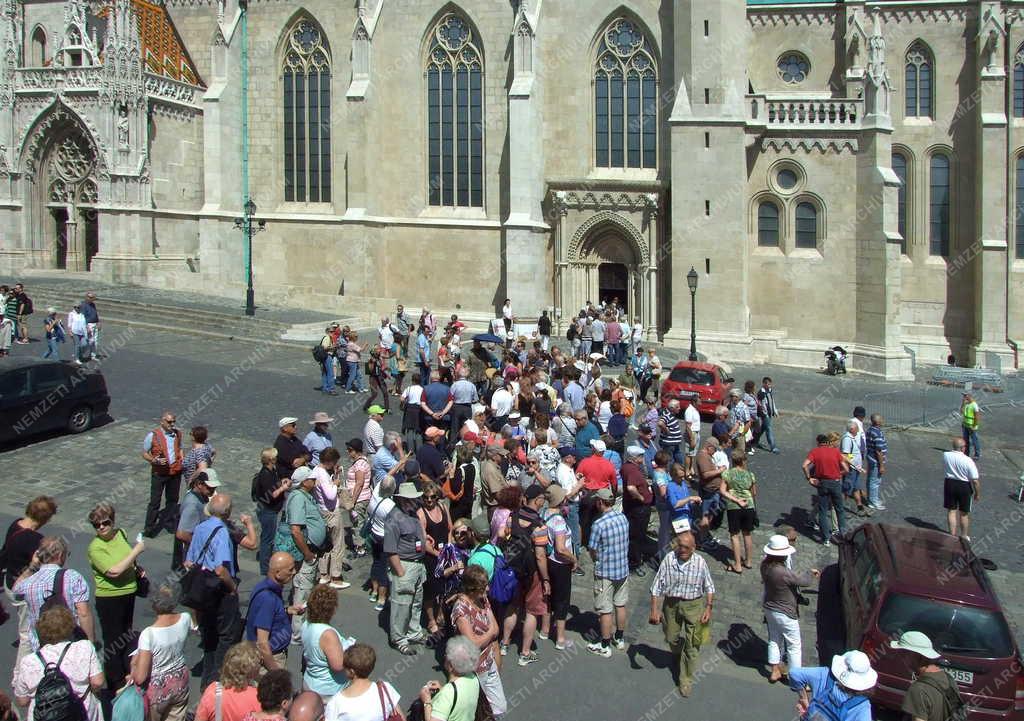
609 549
691 434
709 477
962 488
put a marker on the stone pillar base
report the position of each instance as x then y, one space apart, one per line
994 356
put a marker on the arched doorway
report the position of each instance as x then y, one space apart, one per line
613 284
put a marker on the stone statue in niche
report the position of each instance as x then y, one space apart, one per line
990 48
122 127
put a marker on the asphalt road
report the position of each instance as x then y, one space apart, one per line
239 390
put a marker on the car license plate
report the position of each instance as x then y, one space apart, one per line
964 677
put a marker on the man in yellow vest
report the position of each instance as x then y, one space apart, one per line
969 413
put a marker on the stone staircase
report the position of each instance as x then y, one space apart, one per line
181 317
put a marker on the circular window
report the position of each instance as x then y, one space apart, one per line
793 68
786 179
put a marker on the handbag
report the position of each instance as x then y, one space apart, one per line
483 706
130 705
200 587
345 499
383 693
141 579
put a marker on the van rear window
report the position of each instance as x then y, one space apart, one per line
952 628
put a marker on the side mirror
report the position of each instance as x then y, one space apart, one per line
730 380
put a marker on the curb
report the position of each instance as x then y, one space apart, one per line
115 320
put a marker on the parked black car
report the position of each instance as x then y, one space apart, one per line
42 395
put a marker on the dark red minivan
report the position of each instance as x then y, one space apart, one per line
901 578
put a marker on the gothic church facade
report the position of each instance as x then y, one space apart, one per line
835 172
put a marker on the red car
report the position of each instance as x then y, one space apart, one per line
900 578
691 381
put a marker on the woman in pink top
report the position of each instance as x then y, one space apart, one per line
358 482
235 693
355 375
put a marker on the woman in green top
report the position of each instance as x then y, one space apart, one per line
457 699
739 489
113 567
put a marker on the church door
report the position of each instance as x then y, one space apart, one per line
613 284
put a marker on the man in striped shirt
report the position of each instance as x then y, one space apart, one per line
671 431
682 596
878 449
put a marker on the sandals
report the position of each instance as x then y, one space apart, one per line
405 649
732 569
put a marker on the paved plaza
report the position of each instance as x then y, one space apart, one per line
239 390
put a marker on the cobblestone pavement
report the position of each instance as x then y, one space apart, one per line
239 390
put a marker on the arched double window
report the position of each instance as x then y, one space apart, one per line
625 98
939 205
455 111
899 166
307 115
918 75
768 224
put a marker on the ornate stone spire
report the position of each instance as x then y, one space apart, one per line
122 56
9 47
879 85
76 47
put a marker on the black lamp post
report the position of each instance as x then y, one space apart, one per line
691 281
245 224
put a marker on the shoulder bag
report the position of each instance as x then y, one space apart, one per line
201 587
383 693
141 579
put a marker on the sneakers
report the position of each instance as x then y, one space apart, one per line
751 451
340 585
419 638
503 649
578 571
379 606
598 650
877 506
619 644
372 596
360 552
527 659
543 636
323 580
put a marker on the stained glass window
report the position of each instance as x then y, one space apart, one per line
307 116
625 99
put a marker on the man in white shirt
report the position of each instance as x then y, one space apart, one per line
386 334
636 337
691 417
597 333
501 406
962 488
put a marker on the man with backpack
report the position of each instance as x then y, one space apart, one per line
933 696
837 693
45 583
527 554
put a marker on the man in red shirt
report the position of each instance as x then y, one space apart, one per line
598 472
636 505
824 469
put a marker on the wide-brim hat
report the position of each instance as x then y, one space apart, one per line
605 494
915 642
853 670
408 490
555 494
597 356
778 545
320 417
434 432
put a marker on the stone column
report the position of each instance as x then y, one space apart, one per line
987 257
75 244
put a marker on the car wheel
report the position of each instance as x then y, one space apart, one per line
80 419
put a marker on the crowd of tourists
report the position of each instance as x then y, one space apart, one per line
515 475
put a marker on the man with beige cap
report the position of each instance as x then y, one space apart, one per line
933 696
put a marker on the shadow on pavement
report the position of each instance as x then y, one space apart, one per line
921 523
744 647
831 630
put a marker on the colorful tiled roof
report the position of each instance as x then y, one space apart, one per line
163 51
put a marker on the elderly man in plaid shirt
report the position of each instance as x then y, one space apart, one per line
609 547
684 584
38 583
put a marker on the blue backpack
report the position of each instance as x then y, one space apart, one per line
824 709
504 583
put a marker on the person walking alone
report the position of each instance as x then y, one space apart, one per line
962 488
781 605
969 412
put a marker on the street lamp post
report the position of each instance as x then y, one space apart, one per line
245 224
691 281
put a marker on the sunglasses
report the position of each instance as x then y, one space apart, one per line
103 524
429 498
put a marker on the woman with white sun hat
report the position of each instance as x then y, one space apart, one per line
836 692
780 603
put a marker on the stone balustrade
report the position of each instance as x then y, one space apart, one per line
804 113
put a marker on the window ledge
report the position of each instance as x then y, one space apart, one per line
768 251
918 120
448 212
937 261
633 174
305 208
806 253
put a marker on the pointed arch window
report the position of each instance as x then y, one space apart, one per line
768 224
1018 83
918 74
899 166
455 108
1019 208
38 48
625 98
939 205
307 115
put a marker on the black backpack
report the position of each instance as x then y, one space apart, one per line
55 700
26 304
56 597
519 553
571 333
319 352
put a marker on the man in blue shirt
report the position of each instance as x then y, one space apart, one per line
609 548
587 431
837 692
436 402
267 624
212 548
423 352
878 449
573 391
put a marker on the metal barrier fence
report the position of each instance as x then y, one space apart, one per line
938 406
